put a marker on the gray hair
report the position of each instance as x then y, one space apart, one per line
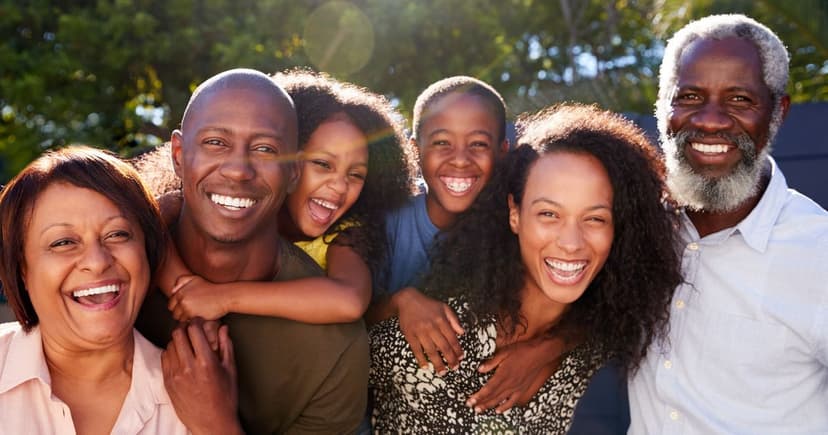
772 52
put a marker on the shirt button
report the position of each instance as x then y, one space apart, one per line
668 364
693 246
674 415
679 304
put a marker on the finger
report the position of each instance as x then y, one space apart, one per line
493 362
182 347
173 302
181 282
496 398
453 320
169 360
228 357
211 330
417 350
430 350
527 395
507 404
486 395
201 347
447 345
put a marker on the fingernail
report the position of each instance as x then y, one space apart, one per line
442 373
471 402
478 410
456 367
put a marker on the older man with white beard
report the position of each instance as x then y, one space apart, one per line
747 351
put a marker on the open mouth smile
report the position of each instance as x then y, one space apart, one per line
459 185
231 202
566 272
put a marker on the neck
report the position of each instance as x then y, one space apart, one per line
68 366
538 311
220 262
440 217
707 223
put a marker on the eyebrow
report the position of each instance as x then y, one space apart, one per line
729 89
67 224
445 130
224 130
557 204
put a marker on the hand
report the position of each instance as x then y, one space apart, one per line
522 369
430 327
201 384
194 296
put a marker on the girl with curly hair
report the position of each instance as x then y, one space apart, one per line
357 167
570 236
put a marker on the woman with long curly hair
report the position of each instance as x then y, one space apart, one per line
357 166
570 237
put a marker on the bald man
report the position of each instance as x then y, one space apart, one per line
234 155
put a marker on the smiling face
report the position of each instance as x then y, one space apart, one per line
85 268
335 164
459 145
564 225
719 124
235 157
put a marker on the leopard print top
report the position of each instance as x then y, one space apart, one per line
408 399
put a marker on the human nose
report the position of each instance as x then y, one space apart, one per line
237 167
338 183
570 238
712 117
460 156
96 258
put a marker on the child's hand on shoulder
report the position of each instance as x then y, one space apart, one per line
194 296
431 329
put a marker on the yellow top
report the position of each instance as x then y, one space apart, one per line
318 247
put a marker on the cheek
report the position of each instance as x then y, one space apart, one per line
601 243
353 194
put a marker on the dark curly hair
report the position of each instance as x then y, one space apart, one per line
391 158
626 306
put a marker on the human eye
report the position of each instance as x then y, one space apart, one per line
598 220
359 176
321 163
547 214
440 143
118 235
61 244
687 97
214 142
480 145
266 148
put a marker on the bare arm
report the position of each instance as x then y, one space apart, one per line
340 297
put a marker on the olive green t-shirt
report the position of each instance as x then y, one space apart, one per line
293 377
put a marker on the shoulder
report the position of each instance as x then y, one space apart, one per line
295 263
7 333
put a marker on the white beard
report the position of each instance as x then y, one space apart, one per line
717 195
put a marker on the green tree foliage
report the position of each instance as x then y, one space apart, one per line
117 73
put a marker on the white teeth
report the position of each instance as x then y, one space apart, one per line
565 266
709 149
327 204
232 202
112 288
458 185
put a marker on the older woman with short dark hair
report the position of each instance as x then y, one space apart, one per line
81 237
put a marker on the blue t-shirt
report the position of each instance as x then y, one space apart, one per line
410 237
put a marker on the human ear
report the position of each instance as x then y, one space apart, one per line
785 102
514 214
504 146
294 172
175 151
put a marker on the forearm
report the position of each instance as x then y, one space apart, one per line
383 308
310 300
171 270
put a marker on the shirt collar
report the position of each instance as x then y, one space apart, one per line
25 361
147 389
757 227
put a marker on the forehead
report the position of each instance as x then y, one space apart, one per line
721 60
458 108
337 136
235 108
61 201
568 174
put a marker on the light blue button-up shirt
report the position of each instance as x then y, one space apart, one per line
748 341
